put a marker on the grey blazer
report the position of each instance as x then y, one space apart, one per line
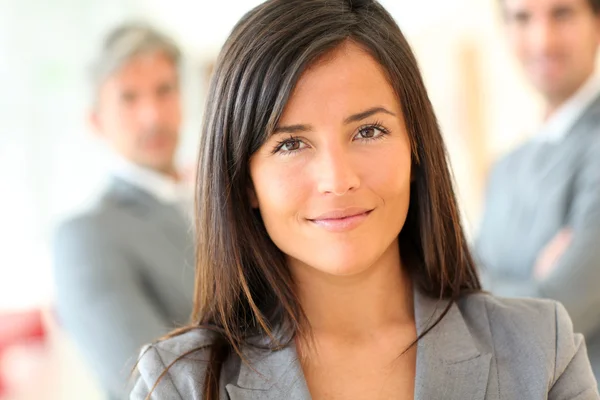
533 193
484 348
124 276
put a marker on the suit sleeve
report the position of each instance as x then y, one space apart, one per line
102 302
573 378
574 279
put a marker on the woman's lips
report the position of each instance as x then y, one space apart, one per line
341 220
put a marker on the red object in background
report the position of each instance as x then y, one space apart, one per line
17 328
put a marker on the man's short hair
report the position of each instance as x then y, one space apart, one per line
594 4
124 43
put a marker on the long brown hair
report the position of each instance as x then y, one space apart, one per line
243 286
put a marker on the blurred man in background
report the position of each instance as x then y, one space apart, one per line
124 269
540 233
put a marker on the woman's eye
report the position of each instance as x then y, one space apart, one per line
370 132
291 145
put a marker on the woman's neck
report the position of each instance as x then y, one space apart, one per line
355 306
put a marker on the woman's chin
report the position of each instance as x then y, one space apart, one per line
345 267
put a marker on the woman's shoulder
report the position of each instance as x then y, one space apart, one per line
528 336
502 307
174 367
521 312
175 346
541 320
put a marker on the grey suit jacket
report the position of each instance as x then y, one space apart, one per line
484 348
533 193
124 276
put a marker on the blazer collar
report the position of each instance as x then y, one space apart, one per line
449 364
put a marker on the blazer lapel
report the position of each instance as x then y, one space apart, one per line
449 365
270 375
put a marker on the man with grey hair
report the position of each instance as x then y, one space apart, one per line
124 269
540 231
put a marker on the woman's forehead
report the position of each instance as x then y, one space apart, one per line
345 82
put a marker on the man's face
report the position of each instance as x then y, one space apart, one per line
555 41
139 112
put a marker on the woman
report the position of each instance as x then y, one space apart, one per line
331 260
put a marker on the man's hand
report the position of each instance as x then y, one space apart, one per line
546 260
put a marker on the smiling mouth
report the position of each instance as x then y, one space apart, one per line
341 221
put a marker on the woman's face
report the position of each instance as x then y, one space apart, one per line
333 182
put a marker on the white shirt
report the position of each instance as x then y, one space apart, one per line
164 188
564 118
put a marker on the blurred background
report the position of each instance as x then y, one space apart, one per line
51 165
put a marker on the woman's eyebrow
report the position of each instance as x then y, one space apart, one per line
292 129
299 128
367 113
